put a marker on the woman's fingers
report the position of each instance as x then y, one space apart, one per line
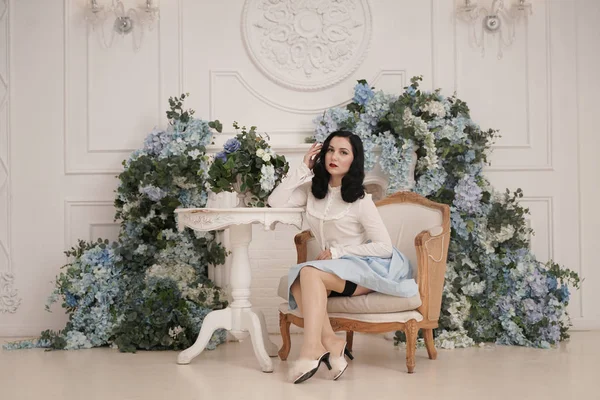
314 149
311 154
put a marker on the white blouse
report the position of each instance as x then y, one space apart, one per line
343 228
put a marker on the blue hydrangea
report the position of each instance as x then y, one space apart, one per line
155 194
458 224
331 120
377 107
396 161
467 195
178 138
432 181
193 198
70 299
132 229
564 293
533 310
194 133
92 296
362 94
156 141
469 156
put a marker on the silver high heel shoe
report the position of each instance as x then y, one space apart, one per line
305 369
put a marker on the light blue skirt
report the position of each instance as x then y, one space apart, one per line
391 276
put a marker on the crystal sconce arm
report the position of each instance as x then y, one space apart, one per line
134 21
497 21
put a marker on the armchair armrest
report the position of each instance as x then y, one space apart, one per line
301 241
432 253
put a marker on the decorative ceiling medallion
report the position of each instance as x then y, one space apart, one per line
307 44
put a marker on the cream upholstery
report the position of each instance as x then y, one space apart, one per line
404 221
371 318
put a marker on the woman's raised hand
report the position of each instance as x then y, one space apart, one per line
311 155
324 255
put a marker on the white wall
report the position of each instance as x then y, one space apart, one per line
73 111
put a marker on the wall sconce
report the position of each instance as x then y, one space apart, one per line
497 21
134 21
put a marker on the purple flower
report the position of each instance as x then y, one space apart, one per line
221 156
232 145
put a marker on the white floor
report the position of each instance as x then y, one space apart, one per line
571 371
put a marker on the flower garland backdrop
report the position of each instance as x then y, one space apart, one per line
150 289
495 289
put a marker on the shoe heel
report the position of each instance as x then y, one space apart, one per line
347 353
326 361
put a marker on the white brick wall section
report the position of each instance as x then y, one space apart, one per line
271 255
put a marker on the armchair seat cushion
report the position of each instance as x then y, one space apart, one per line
371 303
373 318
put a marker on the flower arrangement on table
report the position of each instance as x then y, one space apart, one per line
248 166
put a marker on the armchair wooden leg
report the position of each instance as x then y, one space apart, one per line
430 343
411 332
284 327
349 340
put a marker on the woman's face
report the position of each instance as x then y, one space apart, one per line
339 156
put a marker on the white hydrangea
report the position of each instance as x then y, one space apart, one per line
194 153
453 339
458 310
173 332
451 274
474 289
129 206
506 232
181 182
422 132
183 274
434 108
267 177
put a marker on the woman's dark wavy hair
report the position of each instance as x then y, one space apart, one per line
352 182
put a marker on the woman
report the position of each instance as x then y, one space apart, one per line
357 256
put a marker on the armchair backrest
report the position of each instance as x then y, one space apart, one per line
420 229
406 215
